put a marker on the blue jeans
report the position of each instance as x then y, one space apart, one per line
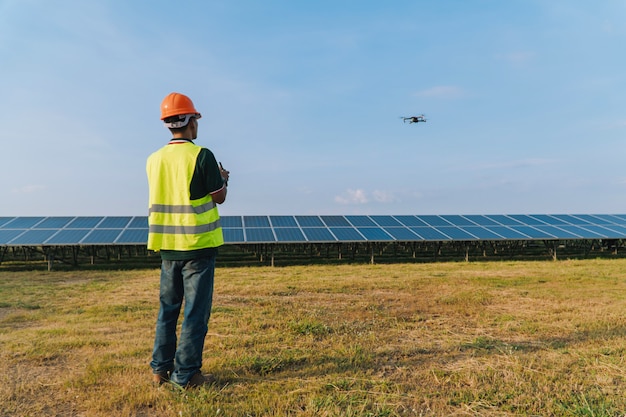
191 281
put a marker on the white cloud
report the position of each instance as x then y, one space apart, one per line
360 196
352 197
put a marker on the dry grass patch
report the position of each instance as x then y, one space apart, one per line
465 339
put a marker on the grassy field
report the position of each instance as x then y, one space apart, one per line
437 339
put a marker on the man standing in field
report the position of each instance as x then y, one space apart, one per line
185 185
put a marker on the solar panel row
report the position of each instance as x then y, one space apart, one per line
129 230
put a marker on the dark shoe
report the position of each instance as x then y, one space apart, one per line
198 380
161 377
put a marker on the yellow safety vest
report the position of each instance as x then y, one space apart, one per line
175 221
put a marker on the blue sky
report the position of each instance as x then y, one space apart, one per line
301 101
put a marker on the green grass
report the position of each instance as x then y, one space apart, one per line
461 339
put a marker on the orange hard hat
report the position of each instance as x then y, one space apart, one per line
176 104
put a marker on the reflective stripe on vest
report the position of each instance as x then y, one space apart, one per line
175 221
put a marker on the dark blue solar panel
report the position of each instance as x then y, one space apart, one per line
503 220
53 223
557 232
360 221
335 221
309 221
401 233
283 221
68 237
568 219
102 236
526 220
231 221
346 234
457 220
507 232
233 235
140 222
615 231
594 219
6 236
256 221
133 230
551 220
429 233
374 233
23 222
482 233
289 234
411 221
33 237
4 220
436 221
613 219
386 221
481 220
114 222
532 232
589 231
456 233
621 217
136 236
84 222
318 234
259 234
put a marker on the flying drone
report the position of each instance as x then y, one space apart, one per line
414 119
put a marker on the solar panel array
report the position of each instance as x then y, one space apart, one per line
133 230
